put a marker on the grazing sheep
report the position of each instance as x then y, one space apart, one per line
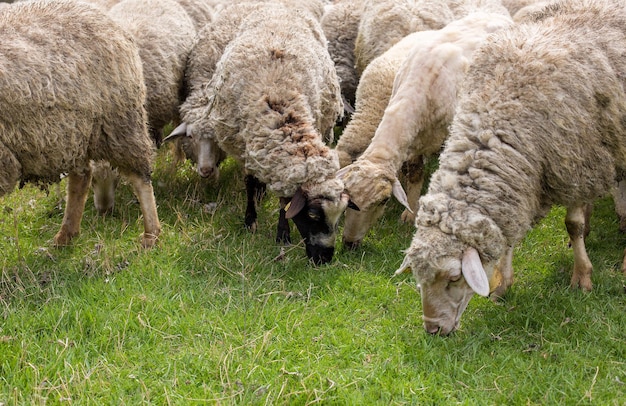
341 24
273 98
207 49
413 124
539 121
71 91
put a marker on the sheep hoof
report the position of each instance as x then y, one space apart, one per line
407 217
149 240
251 226
62 238
581 281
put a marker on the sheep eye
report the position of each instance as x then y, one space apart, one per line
455 278
314 215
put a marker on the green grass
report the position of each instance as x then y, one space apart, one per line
216 315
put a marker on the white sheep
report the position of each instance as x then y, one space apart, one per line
413 123
72 91
539 121
272 99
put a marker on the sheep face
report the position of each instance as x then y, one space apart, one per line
316 218
448 274
369 187
204 151
358 223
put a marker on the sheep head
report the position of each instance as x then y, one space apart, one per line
369 187
448 273
202 150
453 255
316 209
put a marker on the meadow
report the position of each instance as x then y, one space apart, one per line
216 315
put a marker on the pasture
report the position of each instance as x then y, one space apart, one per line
216 315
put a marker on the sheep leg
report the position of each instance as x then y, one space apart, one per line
575 224
251 192
505 268
283 233
77 192
413 172
142 188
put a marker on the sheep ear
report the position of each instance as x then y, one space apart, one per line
179 131
400 194
474 273
341 173
404 268
296 204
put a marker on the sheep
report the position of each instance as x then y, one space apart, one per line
340 24
384 23
205 52
413 124
539 121
272 99
72 91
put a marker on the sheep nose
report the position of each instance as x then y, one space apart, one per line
205 171
431 328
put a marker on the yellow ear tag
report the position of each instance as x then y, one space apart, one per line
287 206
495 280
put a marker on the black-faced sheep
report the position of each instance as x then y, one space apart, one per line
409 122
539 121
270 103
71 91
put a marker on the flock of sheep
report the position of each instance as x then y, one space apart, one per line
522 113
